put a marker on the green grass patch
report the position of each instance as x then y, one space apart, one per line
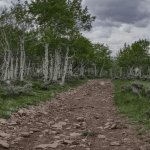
129 104
12 104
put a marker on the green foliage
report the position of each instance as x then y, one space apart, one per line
135 55
82 77
17 90
128 104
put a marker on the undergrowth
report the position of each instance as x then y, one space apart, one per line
138 110
10 104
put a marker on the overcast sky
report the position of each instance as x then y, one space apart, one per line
117 21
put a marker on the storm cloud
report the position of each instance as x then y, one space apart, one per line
121 11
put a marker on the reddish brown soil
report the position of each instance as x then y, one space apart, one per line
52 123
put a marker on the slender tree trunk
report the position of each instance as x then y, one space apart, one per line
70 68
55 76
121 72
51 68
46 62
12 68
102 69
16 67
82 68
22 59
28 68
65 67
95 70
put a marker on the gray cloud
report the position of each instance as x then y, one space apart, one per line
122 11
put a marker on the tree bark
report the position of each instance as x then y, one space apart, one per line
65 67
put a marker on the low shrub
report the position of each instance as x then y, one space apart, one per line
17 90
82 77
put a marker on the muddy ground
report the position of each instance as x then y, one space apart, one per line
83 118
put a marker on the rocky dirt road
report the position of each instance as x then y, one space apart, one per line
83 118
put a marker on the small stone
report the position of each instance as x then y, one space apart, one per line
115 143
80 119
74 135
101 136
5 135
3 121
114 126
25 134
4 144
21 113
108 123
106 127
67 142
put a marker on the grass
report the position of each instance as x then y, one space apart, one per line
12 104
129 104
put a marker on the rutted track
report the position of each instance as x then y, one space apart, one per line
61 122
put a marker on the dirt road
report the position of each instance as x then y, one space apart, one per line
83 118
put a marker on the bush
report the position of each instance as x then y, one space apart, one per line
45 86
17 90
82 77
126 88
138 85
148 113
72 78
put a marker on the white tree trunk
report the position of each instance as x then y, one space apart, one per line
12 68
95 70
22 59
16 67
82 68
101 69
28 68
46 62
51 68
65 67
70 68
55 76
121 72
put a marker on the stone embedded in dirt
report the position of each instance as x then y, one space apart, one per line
25 134
88 149
4 144
62 123
66 120
34 129
74 135
68 128
84 140
82 145
115 143
21 113
108 123
114 126
2 121
77 125
5 135
17 139
80 119
110 120
75 143
56 137
102 83
44 146
101 136
106 127
59 125
12 123
67 142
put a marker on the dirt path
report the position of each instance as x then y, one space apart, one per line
60 123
